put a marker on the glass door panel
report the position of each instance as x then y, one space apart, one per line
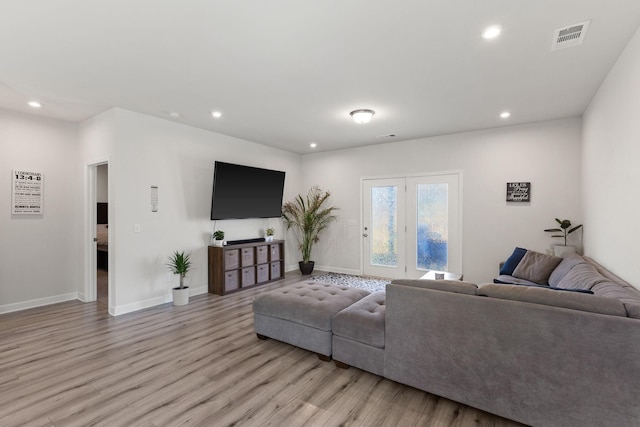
383 227
432 220
433 224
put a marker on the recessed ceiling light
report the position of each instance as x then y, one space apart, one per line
505 114
491 32
175 114
216 114
313 145
35 104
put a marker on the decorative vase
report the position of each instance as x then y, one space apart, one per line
180 296
562 250
306 267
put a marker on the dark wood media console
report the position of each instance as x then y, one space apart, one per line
233 268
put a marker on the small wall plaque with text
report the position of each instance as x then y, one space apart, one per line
518 191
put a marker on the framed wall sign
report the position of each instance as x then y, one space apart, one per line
518 191
27 192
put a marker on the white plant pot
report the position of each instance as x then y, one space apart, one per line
218 243
180 296
268 238
562 251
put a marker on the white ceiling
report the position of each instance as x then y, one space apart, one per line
287 72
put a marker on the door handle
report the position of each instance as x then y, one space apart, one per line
365 235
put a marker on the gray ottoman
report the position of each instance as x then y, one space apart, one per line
358 334
301 314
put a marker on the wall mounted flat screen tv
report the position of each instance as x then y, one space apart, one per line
241 192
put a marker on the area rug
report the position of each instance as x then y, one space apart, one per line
362 282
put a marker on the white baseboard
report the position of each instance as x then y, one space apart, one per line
25 305
326 268
198 291
152 302
288 268
138 305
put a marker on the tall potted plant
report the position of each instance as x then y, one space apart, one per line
308 217
565 229
179 263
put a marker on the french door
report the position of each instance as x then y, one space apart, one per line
411 225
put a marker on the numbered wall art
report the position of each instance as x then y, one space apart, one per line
27 192
518 191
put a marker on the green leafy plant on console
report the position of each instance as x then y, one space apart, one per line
565 229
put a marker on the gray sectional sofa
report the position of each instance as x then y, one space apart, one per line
533 354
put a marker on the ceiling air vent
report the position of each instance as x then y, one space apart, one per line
570 36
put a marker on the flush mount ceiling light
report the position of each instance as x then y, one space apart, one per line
362 116
491 32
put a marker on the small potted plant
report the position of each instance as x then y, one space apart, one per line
218 238
565 229
179 263
269 232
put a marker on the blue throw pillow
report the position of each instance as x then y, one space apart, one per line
512 262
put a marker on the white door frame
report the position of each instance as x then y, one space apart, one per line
90 244
458 255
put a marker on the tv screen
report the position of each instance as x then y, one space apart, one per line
246 192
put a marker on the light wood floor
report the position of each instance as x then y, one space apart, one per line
71 364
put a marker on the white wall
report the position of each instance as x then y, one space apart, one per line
610 168
102 184
546 154
179 159
40 255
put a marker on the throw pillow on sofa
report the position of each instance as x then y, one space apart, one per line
581 276
569 261
512 262
536 267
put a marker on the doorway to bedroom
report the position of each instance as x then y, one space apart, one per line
98 258
102 235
